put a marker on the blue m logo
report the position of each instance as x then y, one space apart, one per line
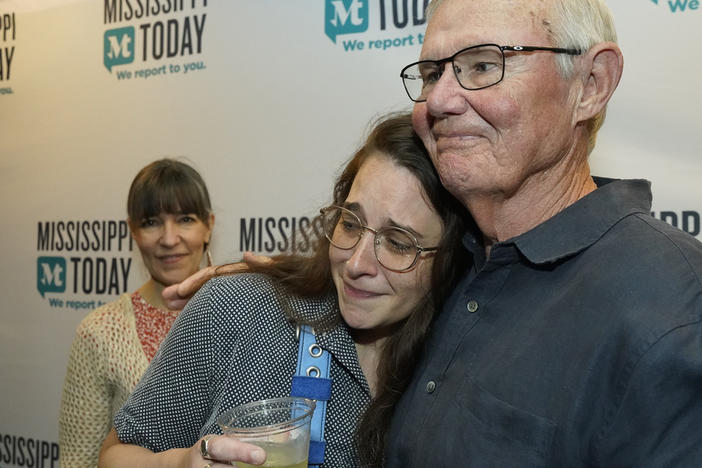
345 17
118 47
51 275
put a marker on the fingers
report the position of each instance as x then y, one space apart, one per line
172 299
192 283
254 259
177 295
222 450
231 269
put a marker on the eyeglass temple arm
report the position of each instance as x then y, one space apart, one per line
556 50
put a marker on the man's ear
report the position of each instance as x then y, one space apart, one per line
603 65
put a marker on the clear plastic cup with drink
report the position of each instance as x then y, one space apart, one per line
280 426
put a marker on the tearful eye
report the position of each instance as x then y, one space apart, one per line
397 242
349 225
398 247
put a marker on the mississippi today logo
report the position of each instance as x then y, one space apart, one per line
82 258
118 47
381 20
163 38
51 275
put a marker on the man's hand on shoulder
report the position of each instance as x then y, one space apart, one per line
177 295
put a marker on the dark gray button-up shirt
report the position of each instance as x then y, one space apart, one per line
578 343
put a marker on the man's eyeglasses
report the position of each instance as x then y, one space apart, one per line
395 248
475 67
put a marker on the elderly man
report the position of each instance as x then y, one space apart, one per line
576 339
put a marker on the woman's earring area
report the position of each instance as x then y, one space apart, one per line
208 254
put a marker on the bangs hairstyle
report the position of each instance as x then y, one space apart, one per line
168 186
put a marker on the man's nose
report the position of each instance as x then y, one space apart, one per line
447 97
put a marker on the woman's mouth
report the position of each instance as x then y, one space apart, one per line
171 258
353 292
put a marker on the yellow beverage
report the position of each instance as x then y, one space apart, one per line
302 464
280 426
280 456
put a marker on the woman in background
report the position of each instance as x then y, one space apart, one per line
171 221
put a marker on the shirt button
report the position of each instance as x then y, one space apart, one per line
472 306
431 386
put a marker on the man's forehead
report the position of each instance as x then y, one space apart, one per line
457 24
488 7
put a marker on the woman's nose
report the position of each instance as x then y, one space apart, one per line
362 260
170 235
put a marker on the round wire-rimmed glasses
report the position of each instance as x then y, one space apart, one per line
475 67
395 248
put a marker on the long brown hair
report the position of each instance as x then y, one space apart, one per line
392 137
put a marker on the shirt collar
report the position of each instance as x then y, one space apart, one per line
579 225
584 222
334 335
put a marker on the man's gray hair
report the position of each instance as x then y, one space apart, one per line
578 24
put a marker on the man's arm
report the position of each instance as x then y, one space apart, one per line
658 421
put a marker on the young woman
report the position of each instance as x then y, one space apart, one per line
171 221
390 251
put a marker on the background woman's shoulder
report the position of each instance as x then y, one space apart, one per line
116 314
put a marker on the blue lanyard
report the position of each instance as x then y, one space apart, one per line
312 381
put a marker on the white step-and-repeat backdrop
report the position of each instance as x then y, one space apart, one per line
266 99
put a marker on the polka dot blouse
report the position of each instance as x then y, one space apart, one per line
234 344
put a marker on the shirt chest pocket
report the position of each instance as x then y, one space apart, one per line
490 432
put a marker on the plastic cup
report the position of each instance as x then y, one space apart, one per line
280 426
